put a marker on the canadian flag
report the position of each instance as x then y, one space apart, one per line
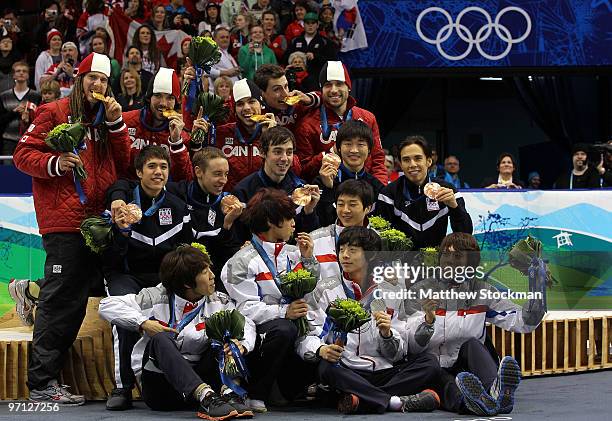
122 32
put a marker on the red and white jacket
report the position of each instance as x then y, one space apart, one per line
311 145
142 133
57 204
131 310
249 282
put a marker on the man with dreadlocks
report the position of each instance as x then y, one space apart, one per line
157 124
71 268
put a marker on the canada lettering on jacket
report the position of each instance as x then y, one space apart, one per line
141 143
231 150
286 119
332 137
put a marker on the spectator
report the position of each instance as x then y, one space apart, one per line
403 203
175 6
296 72
318 49
95 16
8 57
240 32
48 57
436 170
21 43
71 268
158 20
212 20
284 9
135 10
231 8
15 107
354 145
296 28
50 91
392 172
182 22
134 62
223 87
533 181
131 97
100 44
326 25
505 178
451 173
144 39
316 131
271 79
227 66
255 53
63 72
258 7
582 175
605 165
51 20
274 39
182 56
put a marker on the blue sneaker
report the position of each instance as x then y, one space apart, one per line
506 383
475 397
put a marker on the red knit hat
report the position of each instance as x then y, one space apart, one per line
94 62
334 70
53 32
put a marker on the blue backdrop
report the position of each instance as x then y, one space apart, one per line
489 33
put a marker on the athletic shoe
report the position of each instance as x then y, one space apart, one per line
214 408
426 401
23 304
120 399
57 393
475 397
504 386
239 404
256 405
348 403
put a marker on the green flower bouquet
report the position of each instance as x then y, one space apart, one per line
221 328
68 138
378 223
214 111
294 286
346 315
204 53
97 232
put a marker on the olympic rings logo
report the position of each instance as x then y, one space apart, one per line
466 34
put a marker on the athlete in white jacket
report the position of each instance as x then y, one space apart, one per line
454 331
175 360
371 370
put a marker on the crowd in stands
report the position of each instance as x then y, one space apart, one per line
274 189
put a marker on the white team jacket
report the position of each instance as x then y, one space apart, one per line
131 310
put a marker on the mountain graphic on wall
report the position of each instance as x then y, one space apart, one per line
581 217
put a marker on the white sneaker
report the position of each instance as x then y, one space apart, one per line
57 393
24 306
257 405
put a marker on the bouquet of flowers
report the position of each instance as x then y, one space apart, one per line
525 255
97 232
378 223
395 240
346 315
68 138
200 247
204 53
214 111
222 328
295 285
429 256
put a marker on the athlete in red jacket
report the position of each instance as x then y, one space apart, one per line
239 141
148 126
316 131
71 268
